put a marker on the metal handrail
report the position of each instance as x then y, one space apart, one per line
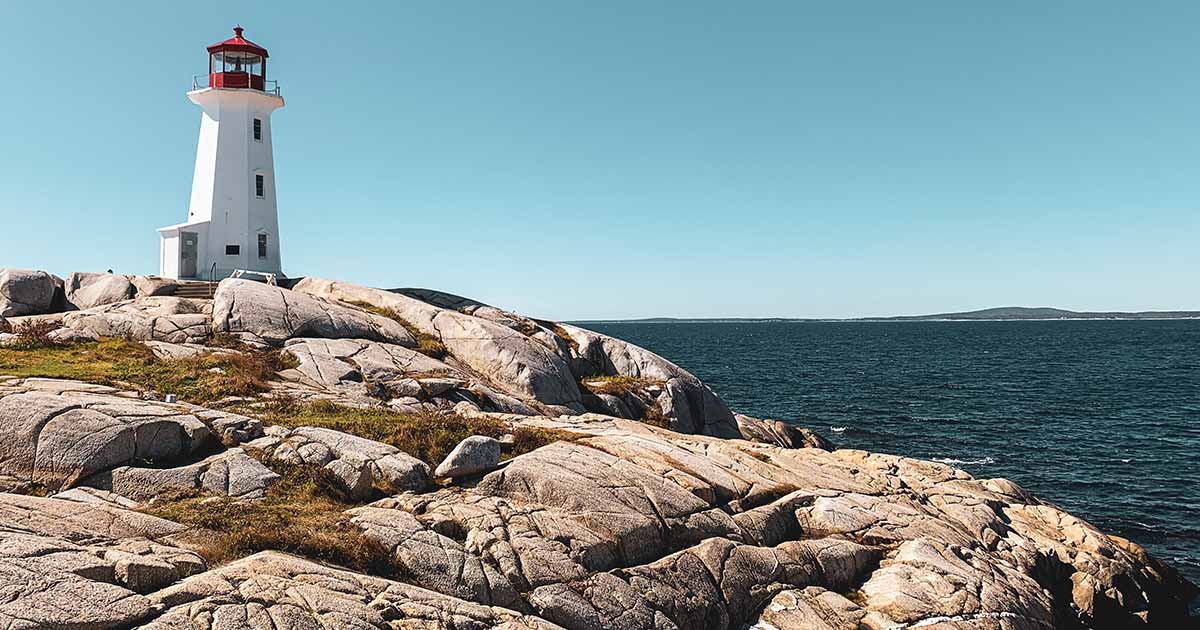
269 278
270 86
212 281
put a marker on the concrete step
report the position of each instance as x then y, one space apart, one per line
196 290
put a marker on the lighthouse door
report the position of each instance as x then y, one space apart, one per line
187 254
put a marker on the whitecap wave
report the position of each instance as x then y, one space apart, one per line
959 462
838 429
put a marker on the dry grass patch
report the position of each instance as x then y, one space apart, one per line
564 335
427 436
123 363
303 513
427 344
619 385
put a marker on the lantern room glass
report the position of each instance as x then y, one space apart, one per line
234 61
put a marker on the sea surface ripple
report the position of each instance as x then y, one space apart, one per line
1099 417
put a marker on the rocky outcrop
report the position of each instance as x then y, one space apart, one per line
86 290
27 292
780 433
619 524
506 358
360 369
811 608
231 473
474 455
271 315
689 404
169 319
274 590
65 564
55 439
637 527
150 286
357 464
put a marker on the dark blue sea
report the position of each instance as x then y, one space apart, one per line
1099 417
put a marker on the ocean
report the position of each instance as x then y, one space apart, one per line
1101 418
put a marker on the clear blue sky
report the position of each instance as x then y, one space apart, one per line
578 159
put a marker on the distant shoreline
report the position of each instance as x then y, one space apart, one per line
870 320
1002 314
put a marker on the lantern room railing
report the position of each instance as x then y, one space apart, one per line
269 86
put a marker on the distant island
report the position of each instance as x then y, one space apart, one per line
1003 313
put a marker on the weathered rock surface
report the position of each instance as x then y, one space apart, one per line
274 590
65 564
364 369
507 358
231 473
472 456
780 434
360 464
55 439
810 608
27 292
689 404
271 315
622 525
637 527
149 286
86 290
169 319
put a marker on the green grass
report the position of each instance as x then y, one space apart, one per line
427 436
303 513
427 344
129 364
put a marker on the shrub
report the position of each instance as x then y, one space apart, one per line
5 327
427 344
33 334
302 513
654 416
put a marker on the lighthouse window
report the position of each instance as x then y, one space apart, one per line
258 129
259 185
233 250
262 245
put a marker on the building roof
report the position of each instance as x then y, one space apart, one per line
239 44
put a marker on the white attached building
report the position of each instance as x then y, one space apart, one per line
232 221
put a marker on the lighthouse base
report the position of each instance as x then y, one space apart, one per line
186 252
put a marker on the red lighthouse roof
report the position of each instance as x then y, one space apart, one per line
237 43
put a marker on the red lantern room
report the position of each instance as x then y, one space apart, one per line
237 63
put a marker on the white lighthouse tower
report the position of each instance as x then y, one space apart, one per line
232 221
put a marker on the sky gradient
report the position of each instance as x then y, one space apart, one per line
577 159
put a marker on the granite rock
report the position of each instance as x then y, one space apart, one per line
474 455
27 292
170 319
271 315
55 440
507 358
780 433
86 290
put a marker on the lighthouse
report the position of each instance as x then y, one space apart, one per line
232 221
